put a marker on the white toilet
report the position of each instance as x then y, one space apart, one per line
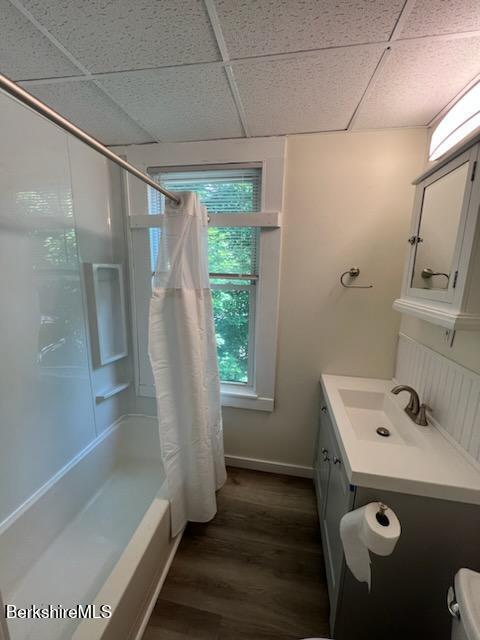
463 602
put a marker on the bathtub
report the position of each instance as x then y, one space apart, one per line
98 533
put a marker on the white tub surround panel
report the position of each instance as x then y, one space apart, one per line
47 413
452 391
97 200
60 205
414 460
99 533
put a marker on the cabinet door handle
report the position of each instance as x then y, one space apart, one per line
415 240
325 455
336 460
324 409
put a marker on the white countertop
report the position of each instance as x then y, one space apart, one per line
416 460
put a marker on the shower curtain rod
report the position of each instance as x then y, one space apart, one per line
18 92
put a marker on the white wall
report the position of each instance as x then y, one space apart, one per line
466 346
348 202
55 205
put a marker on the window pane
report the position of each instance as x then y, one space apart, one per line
232 250
154 234
231 311
228 191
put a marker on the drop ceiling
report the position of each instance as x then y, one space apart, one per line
135 71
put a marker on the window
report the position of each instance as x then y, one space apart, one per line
241 183
232 258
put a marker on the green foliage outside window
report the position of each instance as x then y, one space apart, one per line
231 313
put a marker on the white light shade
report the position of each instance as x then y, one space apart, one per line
462 119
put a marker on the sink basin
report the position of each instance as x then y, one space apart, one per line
412 460
371 410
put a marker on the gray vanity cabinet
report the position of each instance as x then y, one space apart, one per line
334 499
408 594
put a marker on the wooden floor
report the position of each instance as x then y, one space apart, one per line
255 572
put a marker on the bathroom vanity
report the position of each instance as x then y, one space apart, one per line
430 484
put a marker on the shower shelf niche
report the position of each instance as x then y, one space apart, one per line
106 296
105 394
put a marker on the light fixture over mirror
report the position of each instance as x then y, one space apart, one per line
459 122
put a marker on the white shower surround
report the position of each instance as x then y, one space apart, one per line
97 533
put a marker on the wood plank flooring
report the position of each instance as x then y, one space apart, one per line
255 572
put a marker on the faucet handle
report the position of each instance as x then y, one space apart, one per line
421 418
411 405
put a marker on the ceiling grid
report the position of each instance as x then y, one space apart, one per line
86 75
151 70
222 47
395 34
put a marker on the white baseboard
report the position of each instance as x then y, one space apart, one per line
270 466
147 612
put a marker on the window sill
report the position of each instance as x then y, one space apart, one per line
244 398
231 396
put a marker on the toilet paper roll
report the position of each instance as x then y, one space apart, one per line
361 531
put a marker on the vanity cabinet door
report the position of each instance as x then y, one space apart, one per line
339 502
334 500
322 461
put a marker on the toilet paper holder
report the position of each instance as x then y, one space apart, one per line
381 516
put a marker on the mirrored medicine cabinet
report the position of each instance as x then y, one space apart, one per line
441 282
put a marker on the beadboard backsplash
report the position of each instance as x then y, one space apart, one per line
452 391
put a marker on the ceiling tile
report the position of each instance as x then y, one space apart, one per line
89 108
435 17
418 80
25 53
188 103
255 28
106 35
313 93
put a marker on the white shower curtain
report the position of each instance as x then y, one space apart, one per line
183 355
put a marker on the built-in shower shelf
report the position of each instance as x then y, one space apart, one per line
108 322
111 391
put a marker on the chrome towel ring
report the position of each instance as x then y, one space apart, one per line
353 272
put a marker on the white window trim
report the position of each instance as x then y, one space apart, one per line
270 154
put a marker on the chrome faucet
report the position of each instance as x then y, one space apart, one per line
415 411
413 407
